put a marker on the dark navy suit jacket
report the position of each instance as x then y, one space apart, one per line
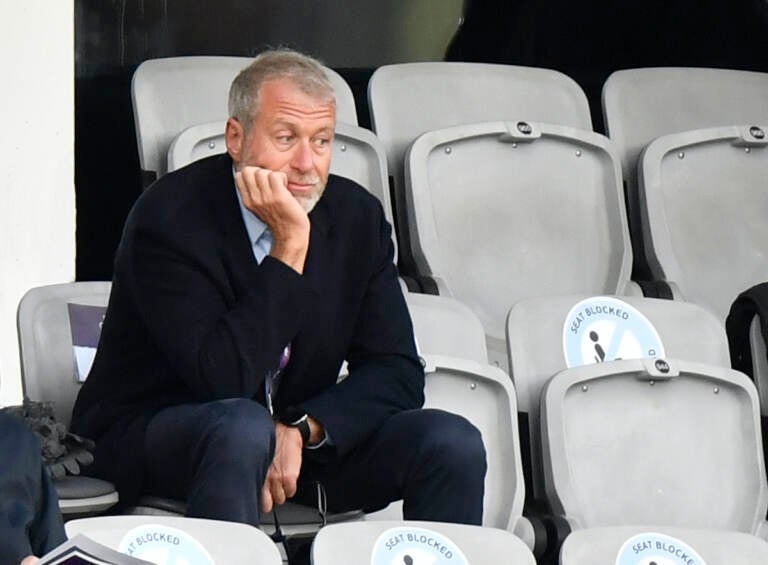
192 318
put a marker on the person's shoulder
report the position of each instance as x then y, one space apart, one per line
186 194
347 196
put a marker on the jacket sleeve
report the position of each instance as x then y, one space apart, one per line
385 374
219 348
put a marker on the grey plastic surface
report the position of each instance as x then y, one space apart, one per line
49 374
497 216
80 495
703 201
629 443
535 347
407 100
445 326
640 105
601 545
357 155
352 543
172 94
226 542
45 341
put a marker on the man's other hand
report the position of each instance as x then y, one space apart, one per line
283 474
266 194
30 560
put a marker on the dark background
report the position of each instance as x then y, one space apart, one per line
586 40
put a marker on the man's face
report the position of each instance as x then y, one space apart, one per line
292 133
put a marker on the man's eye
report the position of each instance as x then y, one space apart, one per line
285 138
322 142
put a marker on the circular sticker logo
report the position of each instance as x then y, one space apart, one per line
164 545
603 328
657 549
415 546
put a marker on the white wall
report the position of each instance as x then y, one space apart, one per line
37 202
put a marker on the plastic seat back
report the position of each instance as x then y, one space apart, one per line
652 441
535 341
356 543
407 100
172 94
225 542
48 362
58 327
502 211
602 545
444 326
703 215
640 105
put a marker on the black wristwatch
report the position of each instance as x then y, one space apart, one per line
296 418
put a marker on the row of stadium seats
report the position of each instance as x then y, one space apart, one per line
496 172
668 443
512 210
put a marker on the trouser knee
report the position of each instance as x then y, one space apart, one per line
239 430
454 443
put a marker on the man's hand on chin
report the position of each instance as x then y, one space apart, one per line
265 193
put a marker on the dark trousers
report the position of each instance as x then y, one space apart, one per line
216 456
30 521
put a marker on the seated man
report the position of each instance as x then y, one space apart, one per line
30 521
242 282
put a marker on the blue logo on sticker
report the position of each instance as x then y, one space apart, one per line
415 546
603 328
657 549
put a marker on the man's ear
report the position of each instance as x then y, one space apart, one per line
234 135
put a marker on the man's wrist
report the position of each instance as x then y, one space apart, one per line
298 419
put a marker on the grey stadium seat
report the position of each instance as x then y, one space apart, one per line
49 373
640 105
715 547
655 443
225 542
502 211
172 94
459 380
535 330
703 203
407 100
353 543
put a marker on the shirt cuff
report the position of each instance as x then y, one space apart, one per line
325 441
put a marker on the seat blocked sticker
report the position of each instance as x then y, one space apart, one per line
603 328
657 549
163 544
415 546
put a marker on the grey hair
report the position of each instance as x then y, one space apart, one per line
304 71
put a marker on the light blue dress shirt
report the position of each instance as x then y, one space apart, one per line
259 233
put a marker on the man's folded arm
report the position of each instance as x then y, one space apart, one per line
385 373
220 349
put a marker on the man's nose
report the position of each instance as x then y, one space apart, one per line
302 158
